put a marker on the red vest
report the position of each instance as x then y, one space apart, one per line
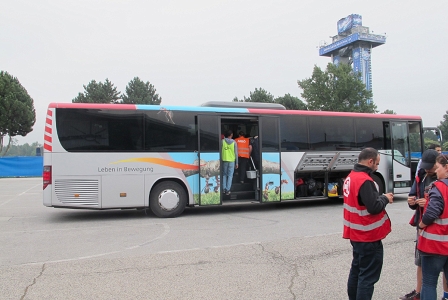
359 224
243 146
434 238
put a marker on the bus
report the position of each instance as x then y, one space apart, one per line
167 158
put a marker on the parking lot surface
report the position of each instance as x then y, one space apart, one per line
286 251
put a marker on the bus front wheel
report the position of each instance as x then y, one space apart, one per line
379 182
168 199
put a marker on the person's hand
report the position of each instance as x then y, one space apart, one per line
411 200
390 196
421 202
236 166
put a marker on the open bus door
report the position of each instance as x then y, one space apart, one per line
208 178
401 157
271 180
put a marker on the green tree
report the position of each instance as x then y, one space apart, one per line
259 95
428 142
337 88
98 93
443 127
23 150
430 135
445 146
17 113
139 92
389 112
291 102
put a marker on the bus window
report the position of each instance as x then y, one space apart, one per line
294 133
415 137
400 142
173 133
369 133
84 130
331 133
209 134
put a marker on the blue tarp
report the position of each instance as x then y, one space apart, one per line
24 166
418 155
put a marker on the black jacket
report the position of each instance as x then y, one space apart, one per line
368 193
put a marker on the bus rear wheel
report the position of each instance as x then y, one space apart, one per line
168 199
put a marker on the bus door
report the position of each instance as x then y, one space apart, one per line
271 179
401 157
209 192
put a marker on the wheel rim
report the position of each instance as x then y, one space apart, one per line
168 200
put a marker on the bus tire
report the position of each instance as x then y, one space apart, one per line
380 183
168 199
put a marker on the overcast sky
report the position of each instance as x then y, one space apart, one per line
202 50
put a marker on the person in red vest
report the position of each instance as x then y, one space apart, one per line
426 175
433 240
244 150
366 223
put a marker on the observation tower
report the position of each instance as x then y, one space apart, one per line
353 45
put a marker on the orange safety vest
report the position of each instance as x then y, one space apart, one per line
434 238
359 224
243 147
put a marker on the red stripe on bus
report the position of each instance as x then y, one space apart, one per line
48 147
329 114
48 129
49 112
94 106
49 121
48 138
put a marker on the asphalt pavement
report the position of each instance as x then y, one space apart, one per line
290 251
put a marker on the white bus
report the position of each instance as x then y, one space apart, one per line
166 158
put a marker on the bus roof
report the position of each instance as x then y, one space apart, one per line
229 109
243 105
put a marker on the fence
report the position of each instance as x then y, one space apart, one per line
21 166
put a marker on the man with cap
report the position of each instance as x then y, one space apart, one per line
432 146
416 201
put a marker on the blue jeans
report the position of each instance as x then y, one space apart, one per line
227 174
366 269
431 267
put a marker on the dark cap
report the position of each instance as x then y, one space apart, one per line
429 159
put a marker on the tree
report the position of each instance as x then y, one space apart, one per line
291 102
389 112
98 93
336 89
259 95
445 146
139 92
443 127
17 113
428 142
23 150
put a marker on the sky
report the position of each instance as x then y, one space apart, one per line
208 50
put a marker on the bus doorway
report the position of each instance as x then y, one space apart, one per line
401 157
245 185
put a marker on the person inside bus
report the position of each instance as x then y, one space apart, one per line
229 155
432 240
416 200
366 223
244 150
